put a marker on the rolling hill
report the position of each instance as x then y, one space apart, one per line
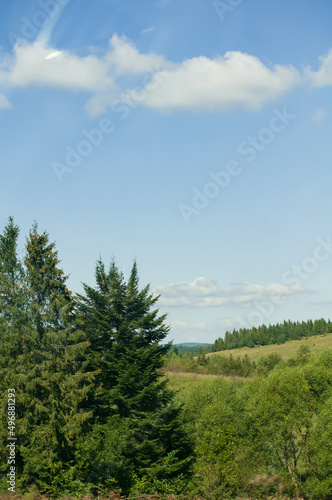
287 350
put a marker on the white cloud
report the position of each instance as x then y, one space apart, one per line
322 77
4 103
34 64
126 60
235 80
205 292
210 85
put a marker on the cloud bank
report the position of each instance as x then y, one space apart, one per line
222 83
233 80
205 292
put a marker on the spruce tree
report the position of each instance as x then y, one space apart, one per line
43 360
50 299
12 298
125 333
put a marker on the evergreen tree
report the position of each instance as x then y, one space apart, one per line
125 335
12 299
42 358
49 299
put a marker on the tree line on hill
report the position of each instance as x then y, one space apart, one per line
190 350
92 411
272 334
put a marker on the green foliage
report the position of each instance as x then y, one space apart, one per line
264 437
267 363
104 455
125 340
319 479
165 486
214 365
125 334
95 413
49 300
222 365
12 297
182 363
281 409
92 407
41 357
215 421
304 353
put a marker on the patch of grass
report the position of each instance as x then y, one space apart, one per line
182 381
178 381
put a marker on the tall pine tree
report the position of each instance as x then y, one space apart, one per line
12 297
50 299
132 401
43 360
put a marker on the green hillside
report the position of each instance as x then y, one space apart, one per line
245 361
286 351
272 334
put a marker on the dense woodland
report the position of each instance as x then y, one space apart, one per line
94 412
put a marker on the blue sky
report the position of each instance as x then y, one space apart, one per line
191 135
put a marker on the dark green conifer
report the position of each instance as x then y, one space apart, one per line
50 300
125 333
12 297
43 360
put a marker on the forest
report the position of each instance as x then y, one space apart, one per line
271 334
95 404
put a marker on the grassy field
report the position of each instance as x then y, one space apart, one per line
179 379
286 351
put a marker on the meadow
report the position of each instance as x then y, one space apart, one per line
287 350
